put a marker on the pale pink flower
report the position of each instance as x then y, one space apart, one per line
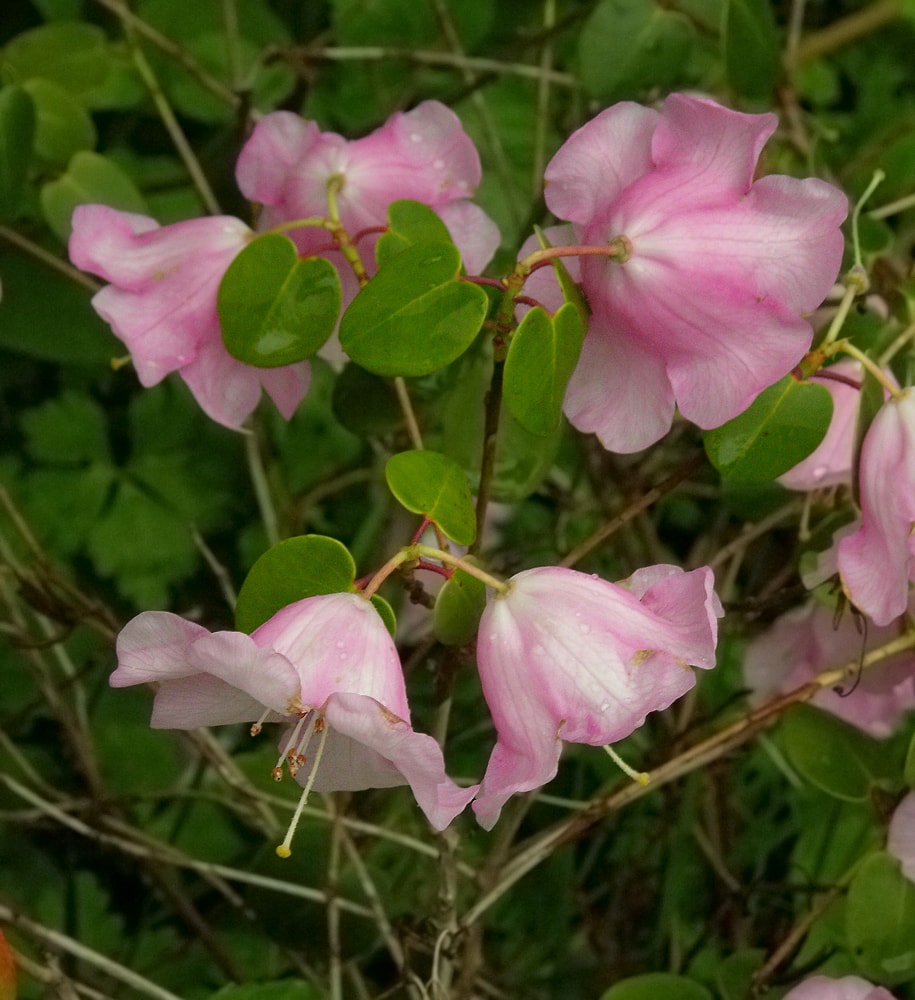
322 663
161 302
877 561
847 988
564 656
423 154
808 640
705 310
900 838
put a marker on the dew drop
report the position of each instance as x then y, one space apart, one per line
438 164
415 137
584 629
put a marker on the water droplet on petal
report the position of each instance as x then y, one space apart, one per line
438 164
584 629
415 137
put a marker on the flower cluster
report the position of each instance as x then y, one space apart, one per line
563 657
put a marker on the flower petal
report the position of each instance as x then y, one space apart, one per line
900 838
203 700
155 646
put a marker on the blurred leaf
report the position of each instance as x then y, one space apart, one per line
70 429
17 139
281 989
543 354
734 975
629 45
414 316
752 52
72 55
90 179
833 755
275 309
458 607
654 985
294 569
366 404
434 485
880 920
62 126
410 222
783 425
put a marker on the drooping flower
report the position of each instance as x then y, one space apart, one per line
877 561
806 641
847 988
564 656
288 165
703 309
326 666
161 301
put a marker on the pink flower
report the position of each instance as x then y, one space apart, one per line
162 303
900 838
323 664
807 641
424 155
877 561
567 656
847 988
704 311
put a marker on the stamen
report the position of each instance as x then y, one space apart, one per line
256 727
285 850
642 777
291 752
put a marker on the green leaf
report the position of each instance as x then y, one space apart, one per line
832 755
435 486
386 613
783 425
72 55
68 430
290 571
275 309
752 53
570 290
458 607
628 45
909 767
414 316
410 222
543 353
734 974
91 179
654 985
280 989
63 126
17 137
880 920
365 404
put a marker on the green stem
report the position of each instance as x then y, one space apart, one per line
846 347
619 248
458 563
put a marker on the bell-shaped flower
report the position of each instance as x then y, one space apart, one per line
846 988
564 656
288 165
703 306
807 641
877 561
161 302
325 665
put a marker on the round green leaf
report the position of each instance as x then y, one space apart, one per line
880 920
414 316
275 309
73 55
17 137
656 985
63 126
543 353
434 485
290 571
90 179
409 222
386 612
781 427
458 607
833 755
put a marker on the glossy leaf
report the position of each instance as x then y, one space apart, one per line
414 316
90 179
386 613
880 920
654 985
410 222
832 755
275 309
433 485
290 571
458 607
543 353
782 426
752 53
17 137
